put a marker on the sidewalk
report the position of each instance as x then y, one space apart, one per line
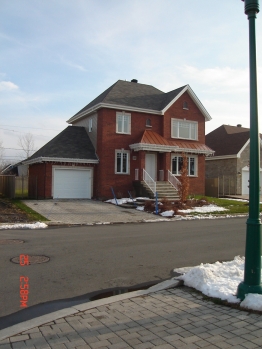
163 319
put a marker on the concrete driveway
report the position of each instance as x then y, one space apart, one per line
86 212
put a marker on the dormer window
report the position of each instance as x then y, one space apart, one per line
148 123
185 105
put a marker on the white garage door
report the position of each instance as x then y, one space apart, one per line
72 183
245 180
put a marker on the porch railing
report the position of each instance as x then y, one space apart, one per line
149 182
173 180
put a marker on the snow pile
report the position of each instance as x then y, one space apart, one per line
140 208
119 201
252 301
167 213
220 280
205 209
37 225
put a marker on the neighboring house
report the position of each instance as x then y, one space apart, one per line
231 158
128 133
17 169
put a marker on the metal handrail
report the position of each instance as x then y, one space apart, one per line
173 180
149 182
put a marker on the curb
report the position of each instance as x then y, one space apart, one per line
41 320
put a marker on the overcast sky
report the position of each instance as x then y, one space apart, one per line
58 55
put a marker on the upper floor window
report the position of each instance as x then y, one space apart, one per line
90 125
184 129
185 105
123 123
148 123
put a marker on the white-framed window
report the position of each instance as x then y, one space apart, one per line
177 163
123 123
148 123
122 160
185 105
184 129
90 125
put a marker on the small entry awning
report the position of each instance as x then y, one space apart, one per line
152 141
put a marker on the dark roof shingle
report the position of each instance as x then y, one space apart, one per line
227 140
131 94
72 143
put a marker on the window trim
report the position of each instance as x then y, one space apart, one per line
188 159
184 121
90 125
123 114
185 105
122 151
148 122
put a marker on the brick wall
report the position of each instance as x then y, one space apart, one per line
176 111
108 141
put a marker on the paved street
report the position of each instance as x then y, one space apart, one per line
92 258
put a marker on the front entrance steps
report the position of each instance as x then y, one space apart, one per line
164 190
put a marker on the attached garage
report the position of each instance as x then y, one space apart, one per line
72 183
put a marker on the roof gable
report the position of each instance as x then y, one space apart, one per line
134 96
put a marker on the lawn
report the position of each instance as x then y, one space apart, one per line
233 206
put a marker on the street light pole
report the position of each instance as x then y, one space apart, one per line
252 273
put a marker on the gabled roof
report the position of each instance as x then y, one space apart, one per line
227 140
137 97
71 145
153 141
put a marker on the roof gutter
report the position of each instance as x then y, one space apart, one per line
167 148
112 106
223 157
42 159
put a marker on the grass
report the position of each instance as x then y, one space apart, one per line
233 206
32 215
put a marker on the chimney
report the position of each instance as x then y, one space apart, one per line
239 125
134 80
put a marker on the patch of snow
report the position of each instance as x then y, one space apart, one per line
205 209
242 200
167 213
37 225
119 201
252 301
140 208
156 220
218 280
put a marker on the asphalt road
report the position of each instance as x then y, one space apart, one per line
92 258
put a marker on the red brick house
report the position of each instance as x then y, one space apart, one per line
130 133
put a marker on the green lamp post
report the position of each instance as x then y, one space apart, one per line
252 273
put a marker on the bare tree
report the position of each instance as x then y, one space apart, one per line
27 144
1 155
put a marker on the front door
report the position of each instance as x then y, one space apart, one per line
150 165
